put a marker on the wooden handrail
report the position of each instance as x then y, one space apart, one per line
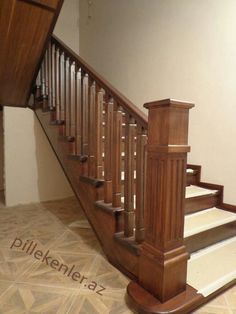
128 106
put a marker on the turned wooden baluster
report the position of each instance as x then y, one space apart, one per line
109 105
130 132
72 107
98 133
53 78
49 75
91 135
43 84
140 182
85 103
78 125
62 87
43 80
38 84
57 84
117 159
46 76
163 260
67 97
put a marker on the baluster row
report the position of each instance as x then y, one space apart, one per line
100 129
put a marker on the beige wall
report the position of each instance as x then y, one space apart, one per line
67 27
32 171
183 49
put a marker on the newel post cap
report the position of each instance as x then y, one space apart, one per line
169 103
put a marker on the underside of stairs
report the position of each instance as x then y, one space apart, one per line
106 147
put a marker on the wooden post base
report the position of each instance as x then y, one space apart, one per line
144 302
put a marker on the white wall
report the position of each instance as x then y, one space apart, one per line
67 27
182 49
33 173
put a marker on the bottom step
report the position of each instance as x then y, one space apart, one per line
213 267
210 272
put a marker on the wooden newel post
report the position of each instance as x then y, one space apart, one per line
163 260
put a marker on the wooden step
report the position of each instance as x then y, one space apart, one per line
201 230
202 197
196 194
208 227
212 268
188 172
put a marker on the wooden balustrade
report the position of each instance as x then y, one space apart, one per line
111 135
105 128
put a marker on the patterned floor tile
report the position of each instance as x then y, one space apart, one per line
28 285
24 298
82 241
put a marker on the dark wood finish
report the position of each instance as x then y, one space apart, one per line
229 207
104 222
53 79
159 263
196 176
184 303
195 204
144 303
57 84
126 104
98 133
85 103
211 236
47 4
129 192
130 243
163 254
140 183
62 87
116 169
92 139
108 162
67 97
78 110
24 30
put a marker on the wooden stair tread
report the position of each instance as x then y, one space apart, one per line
206 219
191 191
195 191
187 171
219 260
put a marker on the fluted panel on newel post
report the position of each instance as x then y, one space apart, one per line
163 260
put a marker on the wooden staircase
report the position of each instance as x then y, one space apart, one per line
149 209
